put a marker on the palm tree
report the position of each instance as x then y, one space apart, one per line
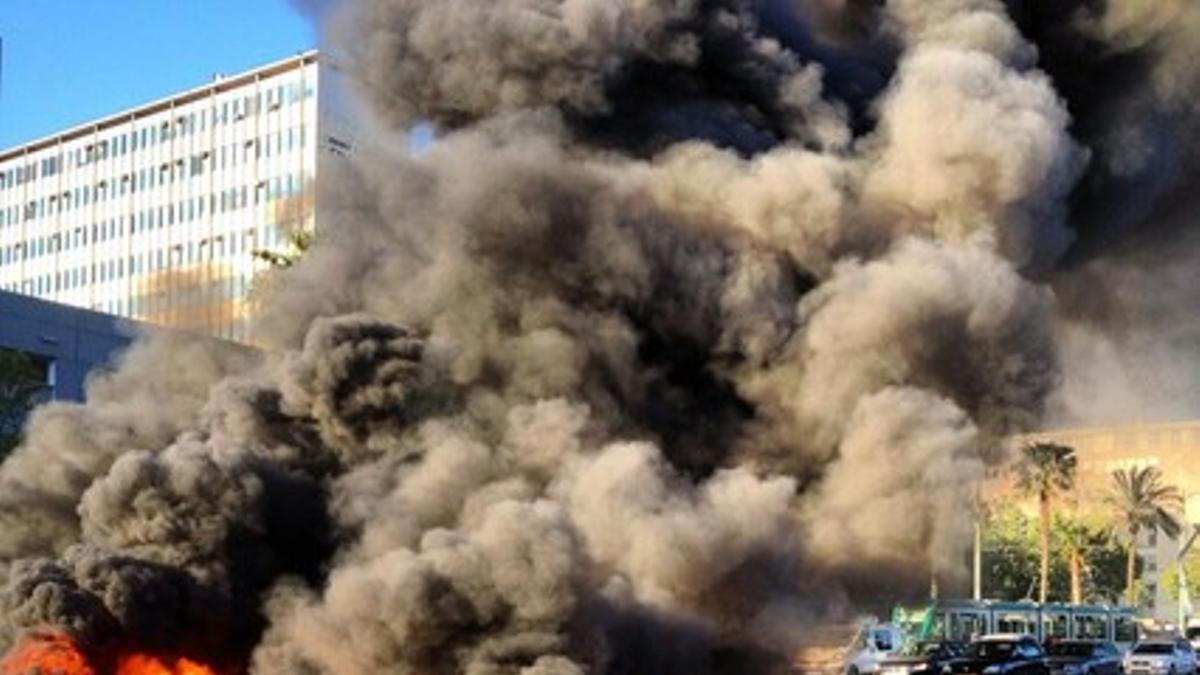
1075 543
1044 471
1079 536
1140 499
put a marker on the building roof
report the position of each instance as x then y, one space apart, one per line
1104 430
216 86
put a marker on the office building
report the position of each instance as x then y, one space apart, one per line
153 213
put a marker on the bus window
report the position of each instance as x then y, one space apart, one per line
965 626
1054 625
1014 622
1089 627
1124 630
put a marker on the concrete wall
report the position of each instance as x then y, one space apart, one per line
75 341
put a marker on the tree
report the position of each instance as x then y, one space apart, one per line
1011 555
1044 471
1140 499
1171 580
1089 556
1075 541
22 383
299 241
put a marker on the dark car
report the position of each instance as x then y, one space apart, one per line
927 656
1001 655
1083 657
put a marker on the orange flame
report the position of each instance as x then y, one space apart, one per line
46 654
141 664
57 654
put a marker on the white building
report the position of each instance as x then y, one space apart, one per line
152 213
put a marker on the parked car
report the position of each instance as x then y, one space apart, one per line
1192 633
926 656
1083 657
874 644
1001 655
1160 657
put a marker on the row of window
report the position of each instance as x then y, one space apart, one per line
183 125
135 265
188 210
148 219
144 306
170 297
165 174
48 245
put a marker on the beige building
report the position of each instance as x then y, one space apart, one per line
1175 449
152 213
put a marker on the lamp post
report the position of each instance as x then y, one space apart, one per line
977 552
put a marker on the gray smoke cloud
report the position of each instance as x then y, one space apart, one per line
138 405
933 451
1129 350
697 321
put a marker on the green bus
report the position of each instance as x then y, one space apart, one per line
964 620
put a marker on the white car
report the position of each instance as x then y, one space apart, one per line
1193 634
874 644
1160 657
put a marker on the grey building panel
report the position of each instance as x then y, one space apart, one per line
75 341
96 347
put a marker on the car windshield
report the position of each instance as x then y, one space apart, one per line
1070 649
1193 632
1154 648
991 649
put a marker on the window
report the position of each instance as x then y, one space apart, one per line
1054 624
1014 622
50 165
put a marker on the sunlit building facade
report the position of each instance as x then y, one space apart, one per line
153 213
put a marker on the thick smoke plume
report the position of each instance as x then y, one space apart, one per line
699 319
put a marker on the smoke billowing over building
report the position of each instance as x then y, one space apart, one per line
698 325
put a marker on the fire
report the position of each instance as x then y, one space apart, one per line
46 654
141 664
57 654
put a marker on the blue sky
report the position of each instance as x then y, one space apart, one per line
68 61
